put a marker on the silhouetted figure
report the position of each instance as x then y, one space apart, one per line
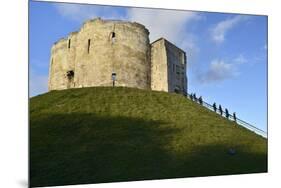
234 116
220 109
194 96
226 113
215 107
200 100
191 96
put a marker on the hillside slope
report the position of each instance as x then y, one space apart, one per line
103 134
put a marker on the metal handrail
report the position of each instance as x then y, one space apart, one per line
231 118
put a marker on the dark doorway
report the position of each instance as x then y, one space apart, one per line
70 78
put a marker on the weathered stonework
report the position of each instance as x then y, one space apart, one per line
88 58
168 67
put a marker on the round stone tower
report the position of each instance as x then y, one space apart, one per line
100 50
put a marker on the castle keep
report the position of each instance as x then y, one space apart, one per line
106 50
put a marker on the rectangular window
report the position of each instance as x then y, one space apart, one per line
112 37
173 67
89 44
69 43
178 69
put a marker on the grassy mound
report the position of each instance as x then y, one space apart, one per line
102 134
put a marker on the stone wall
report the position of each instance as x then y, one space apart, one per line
90 56
159 68
177 79
62 60
168 67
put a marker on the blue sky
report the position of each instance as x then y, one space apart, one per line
227 53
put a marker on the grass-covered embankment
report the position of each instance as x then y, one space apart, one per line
101 134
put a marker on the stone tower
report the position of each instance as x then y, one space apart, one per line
168 67
103 48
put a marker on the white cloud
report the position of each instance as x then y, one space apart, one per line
260 57
218 71
80 13
170 24
219 31
240 59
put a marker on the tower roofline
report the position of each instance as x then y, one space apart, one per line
99 19
165 40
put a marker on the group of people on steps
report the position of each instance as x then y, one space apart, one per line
220 110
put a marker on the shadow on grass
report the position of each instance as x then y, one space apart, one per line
86 148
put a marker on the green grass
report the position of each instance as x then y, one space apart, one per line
102 134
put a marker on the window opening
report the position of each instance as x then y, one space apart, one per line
112 37
89 45
70 74
69 43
